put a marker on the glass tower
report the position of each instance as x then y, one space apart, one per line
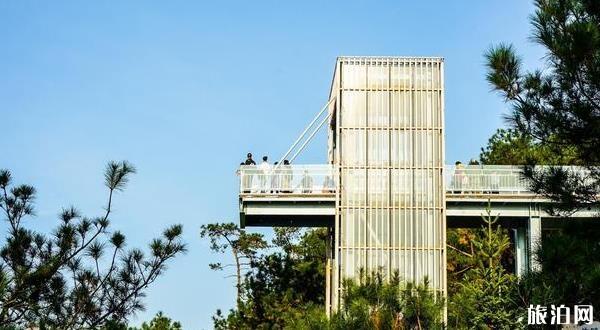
386 139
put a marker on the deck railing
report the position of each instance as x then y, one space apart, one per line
322 179
287 179
482 179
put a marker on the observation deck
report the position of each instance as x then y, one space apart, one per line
305 195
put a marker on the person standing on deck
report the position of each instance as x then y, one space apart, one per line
264 171
249 160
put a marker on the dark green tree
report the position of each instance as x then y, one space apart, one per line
570 269
244 247
486 297
558 107
281 285
511 147
81 276
161 322
372 302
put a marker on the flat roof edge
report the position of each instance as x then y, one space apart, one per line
403 58
384 58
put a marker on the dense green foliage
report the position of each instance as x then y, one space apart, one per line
372 302
511 147
486 297
160 322
558 107
81 276
285 289
570 269
243 247
556 120
281 285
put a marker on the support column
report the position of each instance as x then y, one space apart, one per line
521 248
328 274
535 240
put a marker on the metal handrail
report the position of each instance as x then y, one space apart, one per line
322 178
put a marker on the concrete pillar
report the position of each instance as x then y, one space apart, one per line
328 273
521 255
535 240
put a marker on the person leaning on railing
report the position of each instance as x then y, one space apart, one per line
245 174
306 184
328 185
458 178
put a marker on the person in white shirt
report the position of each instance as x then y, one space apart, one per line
265 172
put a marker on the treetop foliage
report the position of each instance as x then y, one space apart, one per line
558 107
81 276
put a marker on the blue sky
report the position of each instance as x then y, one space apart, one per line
184 89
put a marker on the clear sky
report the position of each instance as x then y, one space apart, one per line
183 89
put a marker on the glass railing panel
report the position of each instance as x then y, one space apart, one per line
287 179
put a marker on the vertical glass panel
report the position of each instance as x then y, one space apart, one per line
435 84
377 77
424 76
354 183
397 227
354 227
354 76
401 76
435 109
425 228
347 262
407 264
396 264
425 187
379 152
378 230
378 260
424 148
425 106
401 148
353 110
354 148
401 109
378 109
402 186
378 187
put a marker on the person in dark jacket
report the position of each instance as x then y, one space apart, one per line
249 160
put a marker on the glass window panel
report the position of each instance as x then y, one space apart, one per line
397 225
378 230
378 109
425 192
353 110
401 109
426 109
354 76
354 149
401 186
425 149
401 76
378 187
378 76
379 152
401 148
354 183
424 76
378 260
354 227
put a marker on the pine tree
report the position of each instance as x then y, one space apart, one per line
82 276
558 107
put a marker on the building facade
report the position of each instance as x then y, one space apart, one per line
386 140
